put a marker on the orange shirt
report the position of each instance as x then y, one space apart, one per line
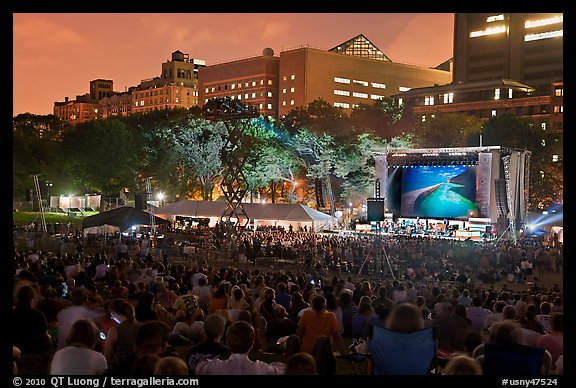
218 304
316 324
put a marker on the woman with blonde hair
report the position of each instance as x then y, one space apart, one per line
462 365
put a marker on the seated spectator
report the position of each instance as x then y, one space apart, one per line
29 329
240 339
171 366
318 322
211 347
121 337
78 357
300 364
554 342
462 365
280 326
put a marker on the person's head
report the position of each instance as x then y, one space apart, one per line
269 294
501 333
471 341
300 364
280 312
465 293
238 294
214 326
557 321
25 297
508 312
146 300
152 338
83 332
240 337
171 365
545 308
345 298
122 309
405 318
499 306
318 303
462 365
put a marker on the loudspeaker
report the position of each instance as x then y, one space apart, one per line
319 193
501 199
140 201
376 209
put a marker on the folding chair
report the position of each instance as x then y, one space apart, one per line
395 353
514 360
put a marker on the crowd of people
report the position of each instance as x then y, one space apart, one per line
121 312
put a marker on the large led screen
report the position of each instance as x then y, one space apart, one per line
438 191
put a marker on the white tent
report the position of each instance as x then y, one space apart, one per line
274 214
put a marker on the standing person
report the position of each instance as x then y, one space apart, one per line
78 357
319 322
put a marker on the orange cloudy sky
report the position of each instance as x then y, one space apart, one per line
56 55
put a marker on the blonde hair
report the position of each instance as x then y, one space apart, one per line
171 365
462 365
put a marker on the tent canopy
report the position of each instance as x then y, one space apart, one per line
123 217
255 211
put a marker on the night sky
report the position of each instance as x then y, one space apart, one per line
56 55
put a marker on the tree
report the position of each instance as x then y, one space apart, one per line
355 163
35 148
199 143
448 130
545 175
102 155
378 118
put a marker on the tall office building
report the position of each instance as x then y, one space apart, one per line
524 47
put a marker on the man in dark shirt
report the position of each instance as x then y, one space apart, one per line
211 347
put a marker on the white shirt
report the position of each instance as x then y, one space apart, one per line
239 364
73 360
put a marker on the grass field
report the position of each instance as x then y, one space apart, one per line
27 217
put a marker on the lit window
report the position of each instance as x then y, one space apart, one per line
284 90
361 95
403 88
509 93
269 106
363 83
206 90
284 78
253 95
292 77
341 92
246 95
496 94
269 82
448 98
341 80
142 103
239 96
291 102
261 105
253 83
292 89
558 108
233 97
544 22
555 158
233 86
429 100
423 118
378 86
543 126
400 101
559 92
213 89
543 35
283 103
493 113
269 94
488 31
239 86
376 97
355 106
341 105
136 104
494 18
